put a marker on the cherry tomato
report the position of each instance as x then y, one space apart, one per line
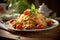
26 12
40 26
12 20
50 23
18 26
14 25
30 27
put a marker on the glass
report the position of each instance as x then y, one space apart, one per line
18 6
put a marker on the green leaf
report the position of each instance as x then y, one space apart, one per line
32 10
53 16
33 6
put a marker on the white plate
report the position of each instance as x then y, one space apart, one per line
56 23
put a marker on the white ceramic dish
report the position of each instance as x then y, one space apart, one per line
56 23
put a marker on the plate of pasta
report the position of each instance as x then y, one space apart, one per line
31 20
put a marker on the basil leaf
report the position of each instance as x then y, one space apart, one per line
33 6
32 10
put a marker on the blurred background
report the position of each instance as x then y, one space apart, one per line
52 4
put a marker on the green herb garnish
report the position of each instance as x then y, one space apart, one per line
33 10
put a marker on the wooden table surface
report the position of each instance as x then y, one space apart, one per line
53 34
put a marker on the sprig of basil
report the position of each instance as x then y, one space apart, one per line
32 7
32 10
